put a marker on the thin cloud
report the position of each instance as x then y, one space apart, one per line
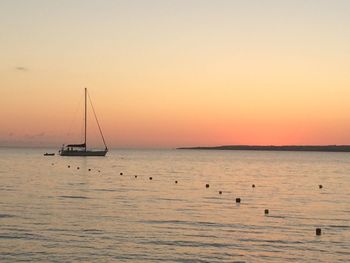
20 68
34 136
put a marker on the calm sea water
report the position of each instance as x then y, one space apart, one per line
50 212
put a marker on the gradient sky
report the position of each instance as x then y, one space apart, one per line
176 73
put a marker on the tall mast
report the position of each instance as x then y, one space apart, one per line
85 119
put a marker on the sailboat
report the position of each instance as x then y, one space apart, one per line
81 149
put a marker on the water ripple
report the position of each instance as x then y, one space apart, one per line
74 196
6 216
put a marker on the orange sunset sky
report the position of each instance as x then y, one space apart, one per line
175 73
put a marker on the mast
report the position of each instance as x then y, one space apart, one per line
85 119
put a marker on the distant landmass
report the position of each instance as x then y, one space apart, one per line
301 148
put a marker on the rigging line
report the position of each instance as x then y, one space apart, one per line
98 124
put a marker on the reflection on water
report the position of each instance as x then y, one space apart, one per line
50 212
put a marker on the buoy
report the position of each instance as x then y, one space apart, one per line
238 200
266 211
78 168
253 185
135 176
318 231
175 182
68 166
220 192
207 185
150 178
89 169
121 173
320 186
99 171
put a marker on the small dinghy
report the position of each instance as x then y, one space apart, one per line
49 154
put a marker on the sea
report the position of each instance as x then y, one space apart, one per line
174 206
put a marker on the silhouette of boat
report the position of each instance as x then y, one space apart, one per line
49 154
81 149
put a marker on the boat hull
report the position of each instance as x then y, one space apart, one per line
83 153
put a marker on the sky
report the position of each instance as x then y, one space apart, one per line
172 73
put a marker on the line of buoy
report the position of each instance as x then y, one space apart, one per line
238 200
